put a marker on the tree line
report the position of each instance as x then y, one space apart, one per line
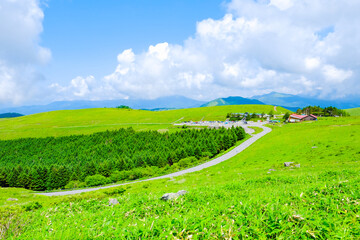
124 154
325 112
249 116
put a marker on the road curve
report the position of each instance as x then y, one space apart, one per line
213 162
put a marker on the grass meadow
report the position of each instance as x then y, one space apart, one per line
86 121
238 199
353 111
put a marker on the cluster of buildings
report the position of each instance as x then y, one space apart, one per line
293 118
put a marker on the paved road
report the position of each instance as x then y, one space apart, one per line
218 160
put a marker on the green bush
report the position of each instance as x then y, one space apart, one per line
185 162
119 176
206 154
32 206
96 180
115 191
74 184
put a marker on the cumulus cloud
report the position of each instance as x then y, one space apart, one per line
335 75
299 47
20 52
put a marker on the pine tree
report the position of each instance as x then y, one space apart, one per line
37 181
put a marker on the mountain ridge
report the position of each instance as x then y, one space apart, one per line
232 100
168 102
296 101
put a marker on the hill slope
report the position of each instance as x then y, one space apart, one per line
237 199
231 101
85 121
353 111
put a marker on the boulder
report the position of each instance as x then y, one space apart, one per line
288 164
181 192
12 199
172 196
297 165
113 201
169 196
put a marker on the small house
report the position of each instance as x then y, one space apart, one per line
300 118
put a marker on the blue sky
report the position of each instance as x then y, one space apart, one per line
86 38
54 50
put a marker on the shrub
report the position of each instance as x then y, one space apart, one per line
115 191
206 154
187 161
136 173
32 206
74 184
96 180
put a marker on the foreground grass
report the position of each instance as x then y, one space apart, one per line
86 121
239 198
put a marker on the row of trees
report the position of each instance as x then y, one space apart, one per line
51 163
325 112
249 116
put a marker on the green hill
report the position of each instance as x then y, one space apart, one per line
353 111
85 121
240 198
231 101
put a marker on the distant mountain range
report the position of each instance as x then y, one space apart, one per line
291 102
231 101
288 101
171 102
10 115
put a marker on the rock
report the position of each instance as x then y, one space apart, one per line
113 201
172 196
272 170
169 196
314 147
268 172
12 199
297 165
288 164
181 192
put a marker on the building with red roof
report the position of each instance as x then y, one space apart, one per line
299 118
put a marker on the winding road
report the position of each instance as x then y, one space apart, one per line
213 162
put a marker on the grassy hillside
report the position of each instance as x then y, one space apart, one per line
231 101
353 111
68 122
239 198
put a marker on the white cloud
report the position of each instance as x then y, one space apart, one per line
81 85
282 4
127 56
20 52
312 63
257 47
160 51
335 75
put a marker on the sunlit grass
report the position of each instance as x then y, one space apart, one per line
239 198
86 121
